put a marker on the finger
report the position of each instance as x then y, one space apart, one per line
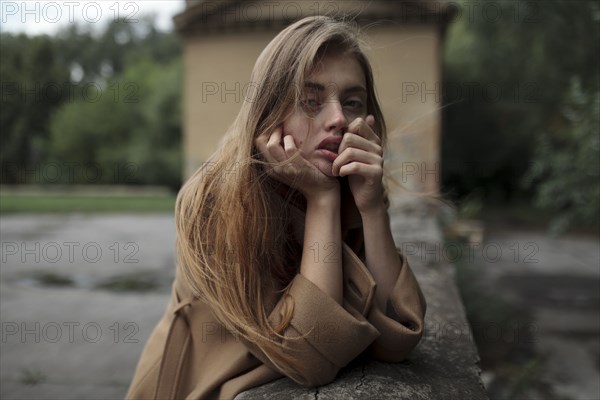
355 155
360 127
289 145
261 143
351 140
372 173
274 147
370 120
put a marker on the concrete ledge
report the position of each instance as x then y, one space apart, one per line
445 363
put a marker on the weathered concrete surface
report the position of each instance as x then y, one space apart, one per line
445 363
79 341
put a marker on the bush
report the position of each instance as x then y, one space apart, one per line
566 163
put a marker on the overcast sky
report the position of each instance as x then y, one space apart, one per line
35 17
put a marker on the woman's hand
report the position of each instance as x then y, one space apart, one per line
290 167
361 158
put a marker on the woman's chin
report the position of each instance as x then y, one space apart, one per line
325 167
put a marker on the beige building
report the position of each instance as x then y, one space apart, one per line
222 40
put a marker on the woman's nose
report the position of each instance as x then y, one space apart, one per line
335 118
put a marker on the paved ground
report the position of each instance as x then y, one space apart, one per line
82 340
558 282
79 341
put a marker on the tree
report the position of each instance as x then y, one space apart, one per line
132 134
101 106
506 75
566 164
32 79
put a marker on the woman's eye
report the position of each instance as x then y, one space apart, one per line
354 104
311 104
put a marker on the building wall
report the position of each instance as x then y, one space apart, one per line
406 65
217 68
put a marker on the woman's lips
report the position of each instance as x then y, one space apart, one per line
330 155
329 147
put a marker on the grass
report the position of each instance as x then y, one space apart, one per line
64 203
129 283
52 279
31 376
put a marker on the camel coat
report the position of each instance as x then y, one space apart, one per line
189 355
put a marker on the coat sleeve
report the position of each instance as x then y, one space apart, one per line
334 335
401 324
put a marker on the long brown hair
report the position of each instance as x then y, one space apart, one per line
233 246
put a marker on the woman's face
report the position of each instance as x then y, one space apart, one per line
333 96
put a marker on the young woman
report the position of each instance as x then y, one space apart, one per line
286 262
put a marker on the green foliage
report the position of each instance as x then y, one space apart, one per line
32 90
115 116
130 135
506 73
49 278
129 283
566 164
68 203
106 54
31 376
155 147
